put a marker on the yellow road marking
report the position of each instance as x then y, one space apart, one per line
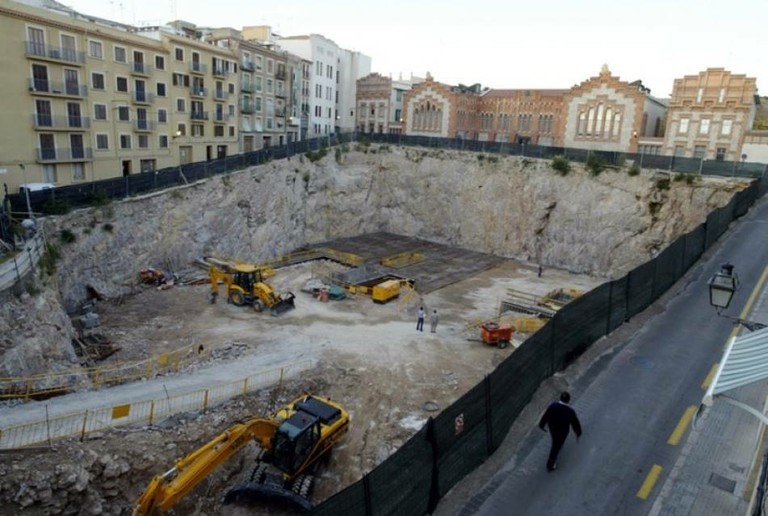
649 482
748 306
710 377
681 426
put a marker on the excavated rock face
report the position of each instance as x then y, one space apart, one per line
510 206
35 335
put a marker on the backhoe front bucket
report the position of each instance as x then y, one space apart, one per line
287 303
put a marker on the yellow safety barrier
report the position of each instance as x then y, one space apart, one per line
81 424
51 384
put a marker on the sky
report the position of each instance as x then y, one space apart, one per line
500 43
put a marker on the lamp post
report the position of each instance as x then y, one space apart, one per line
722 286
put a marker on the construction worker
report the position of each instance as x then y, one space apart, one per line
420 319
433 321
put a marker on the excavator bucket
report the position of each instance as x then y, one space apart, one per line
285 304
273 494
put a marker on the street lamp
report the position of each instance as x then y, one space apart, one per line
722 286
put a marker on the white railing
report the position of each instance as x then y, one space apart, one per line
15 268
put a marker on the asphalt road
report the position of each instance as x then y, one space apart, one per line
635 404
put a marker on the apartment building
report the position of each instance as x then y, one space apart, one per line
710 114
380 103
264 89
350 67
94 99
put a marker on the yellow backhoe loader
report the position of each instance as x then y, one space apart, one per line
292 441
246 286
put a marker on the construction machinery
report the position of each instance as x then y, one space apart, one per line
293 441
496 334
246 286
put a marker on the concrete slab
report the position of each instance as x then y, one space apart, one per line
442 264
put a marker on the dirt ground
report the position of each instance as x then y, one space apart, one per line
369 357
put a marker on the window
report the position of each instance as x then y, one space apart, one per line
49 173
181 105
269 123
699 151
679 151
181 129
726 128
162 141
231 130
329 71
180 79
231 88
162 116
95 49
97 81
160 62
120 55
178 54
122 84
257 60
102 141
270 66
720 156
68 47
143 141
72 82
269 85
100 111
231 110
43 117
125 141
318 68
721 96
683 126
257 83
147 165
161 89
198 130
36 43
704 126
124 113
257 104
74 117
78 172
218 131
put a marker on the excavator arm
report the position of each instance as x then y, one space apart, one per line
164 491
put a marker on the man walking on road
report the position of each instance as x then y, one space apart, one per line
559 417
420 319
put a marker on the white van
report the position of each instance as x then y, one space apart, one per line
36 187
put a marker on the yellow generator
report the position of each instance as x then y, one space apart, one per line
386 291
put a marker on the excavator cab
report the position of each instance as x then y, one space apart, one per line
294 441
246 279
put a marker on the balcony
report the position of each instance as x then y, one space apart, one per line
43 121
247 87
220 118
221 72
143 97
197 67
58 154
143 125
280 75
246 65
246 106
58 54
199 115
220 94
138 68
197 91
57 89
280 93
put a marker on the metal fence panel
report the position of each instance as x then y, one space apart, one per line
640 292
618 303
669 266
401 484
694 245
349 501
578 324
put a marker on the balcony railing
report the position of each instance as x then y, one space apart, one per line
64 154
143 97
198 67
246 106
280 75
198 91
221 117
220 72
44 51
199 115
246 86
46 121
144 125
220 94
140 68
57 88
246 65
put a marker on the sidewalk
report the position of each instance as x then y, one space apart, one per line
719 465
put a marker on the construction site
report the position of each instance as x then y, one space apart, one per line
213 309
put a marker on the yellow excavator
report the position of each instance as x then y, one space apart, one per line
246 286
292 443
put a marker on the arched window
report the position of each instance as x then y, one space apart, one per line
582 129
591 122
599 124
616 123
608 122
